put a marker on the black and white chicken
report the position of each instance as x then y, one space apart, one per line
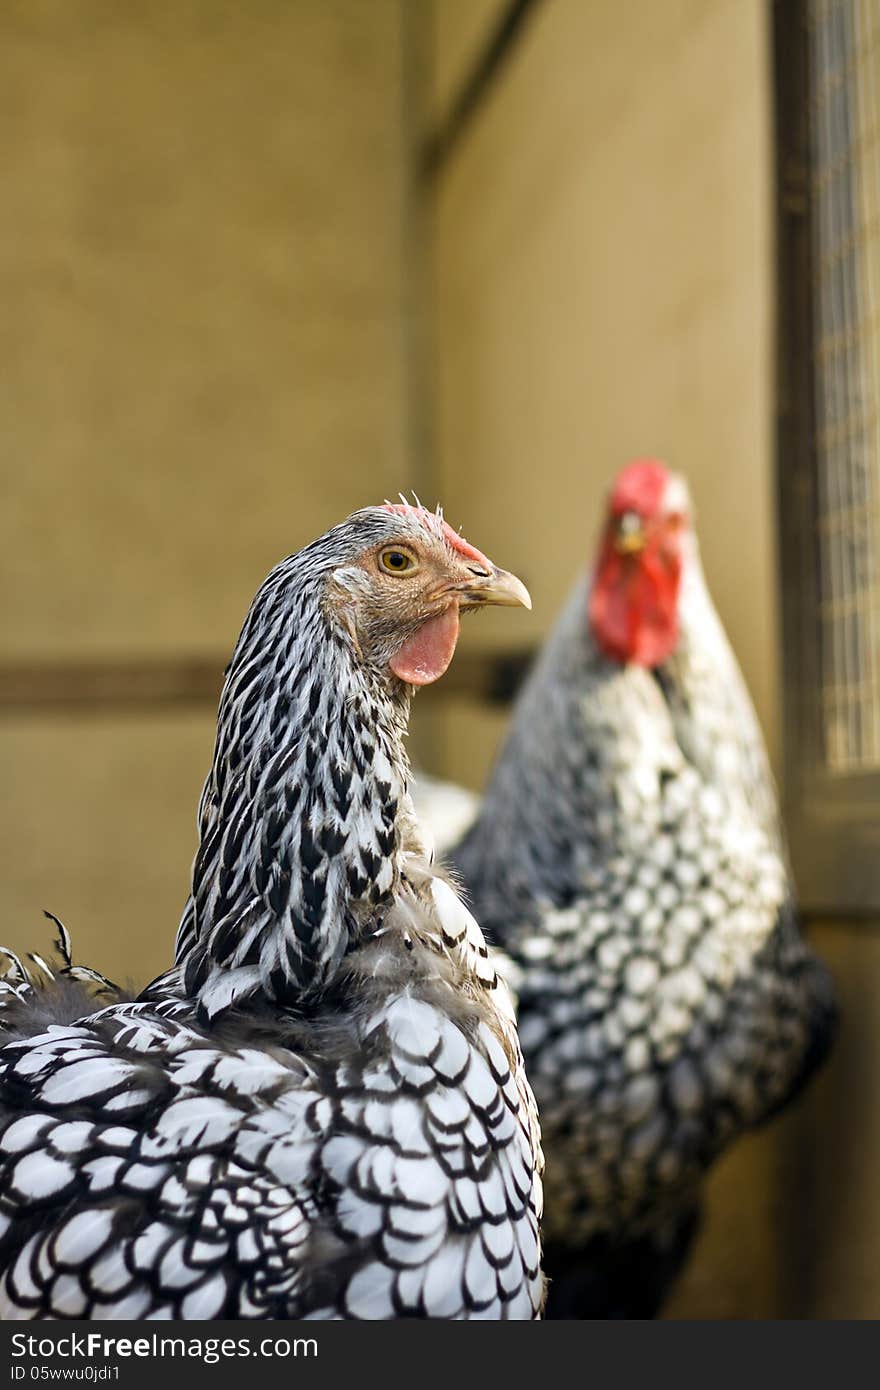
320 1110
628 856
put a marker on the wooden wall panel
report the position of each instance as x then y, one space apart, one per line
200 271
454 32
99 827
602 288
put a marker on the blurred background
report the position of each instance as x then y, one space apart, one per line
262 264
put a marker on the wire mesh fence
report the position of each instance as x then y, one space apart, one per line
845 199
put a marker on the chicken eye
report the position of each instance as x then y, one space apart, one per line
397 561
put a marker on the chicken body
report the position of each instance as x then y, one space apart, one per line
628 857
320 1110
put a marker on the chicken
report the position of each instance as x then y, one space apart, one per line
320 1109
628 856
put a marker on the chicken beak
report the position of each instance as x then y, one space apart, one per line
629 535
494 586
629 544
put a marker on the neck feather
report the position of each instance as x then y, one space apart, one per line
301 815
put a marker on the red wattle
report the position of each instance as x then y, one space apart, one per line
424 657
634 605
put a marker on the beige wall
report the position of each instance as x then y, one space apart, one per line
202 304
602 288
454 33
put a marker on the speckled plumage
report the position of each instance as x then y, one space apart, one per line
320 1110
628 856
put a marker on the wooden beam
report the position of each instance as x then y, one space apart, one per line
148 684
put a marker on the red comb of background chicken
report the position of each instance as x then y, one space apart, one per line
639 487
634 598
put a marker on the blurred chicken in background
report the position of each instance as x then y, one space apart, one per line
628 856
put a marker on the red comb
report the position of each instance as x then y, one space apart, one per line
437 526
639 487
